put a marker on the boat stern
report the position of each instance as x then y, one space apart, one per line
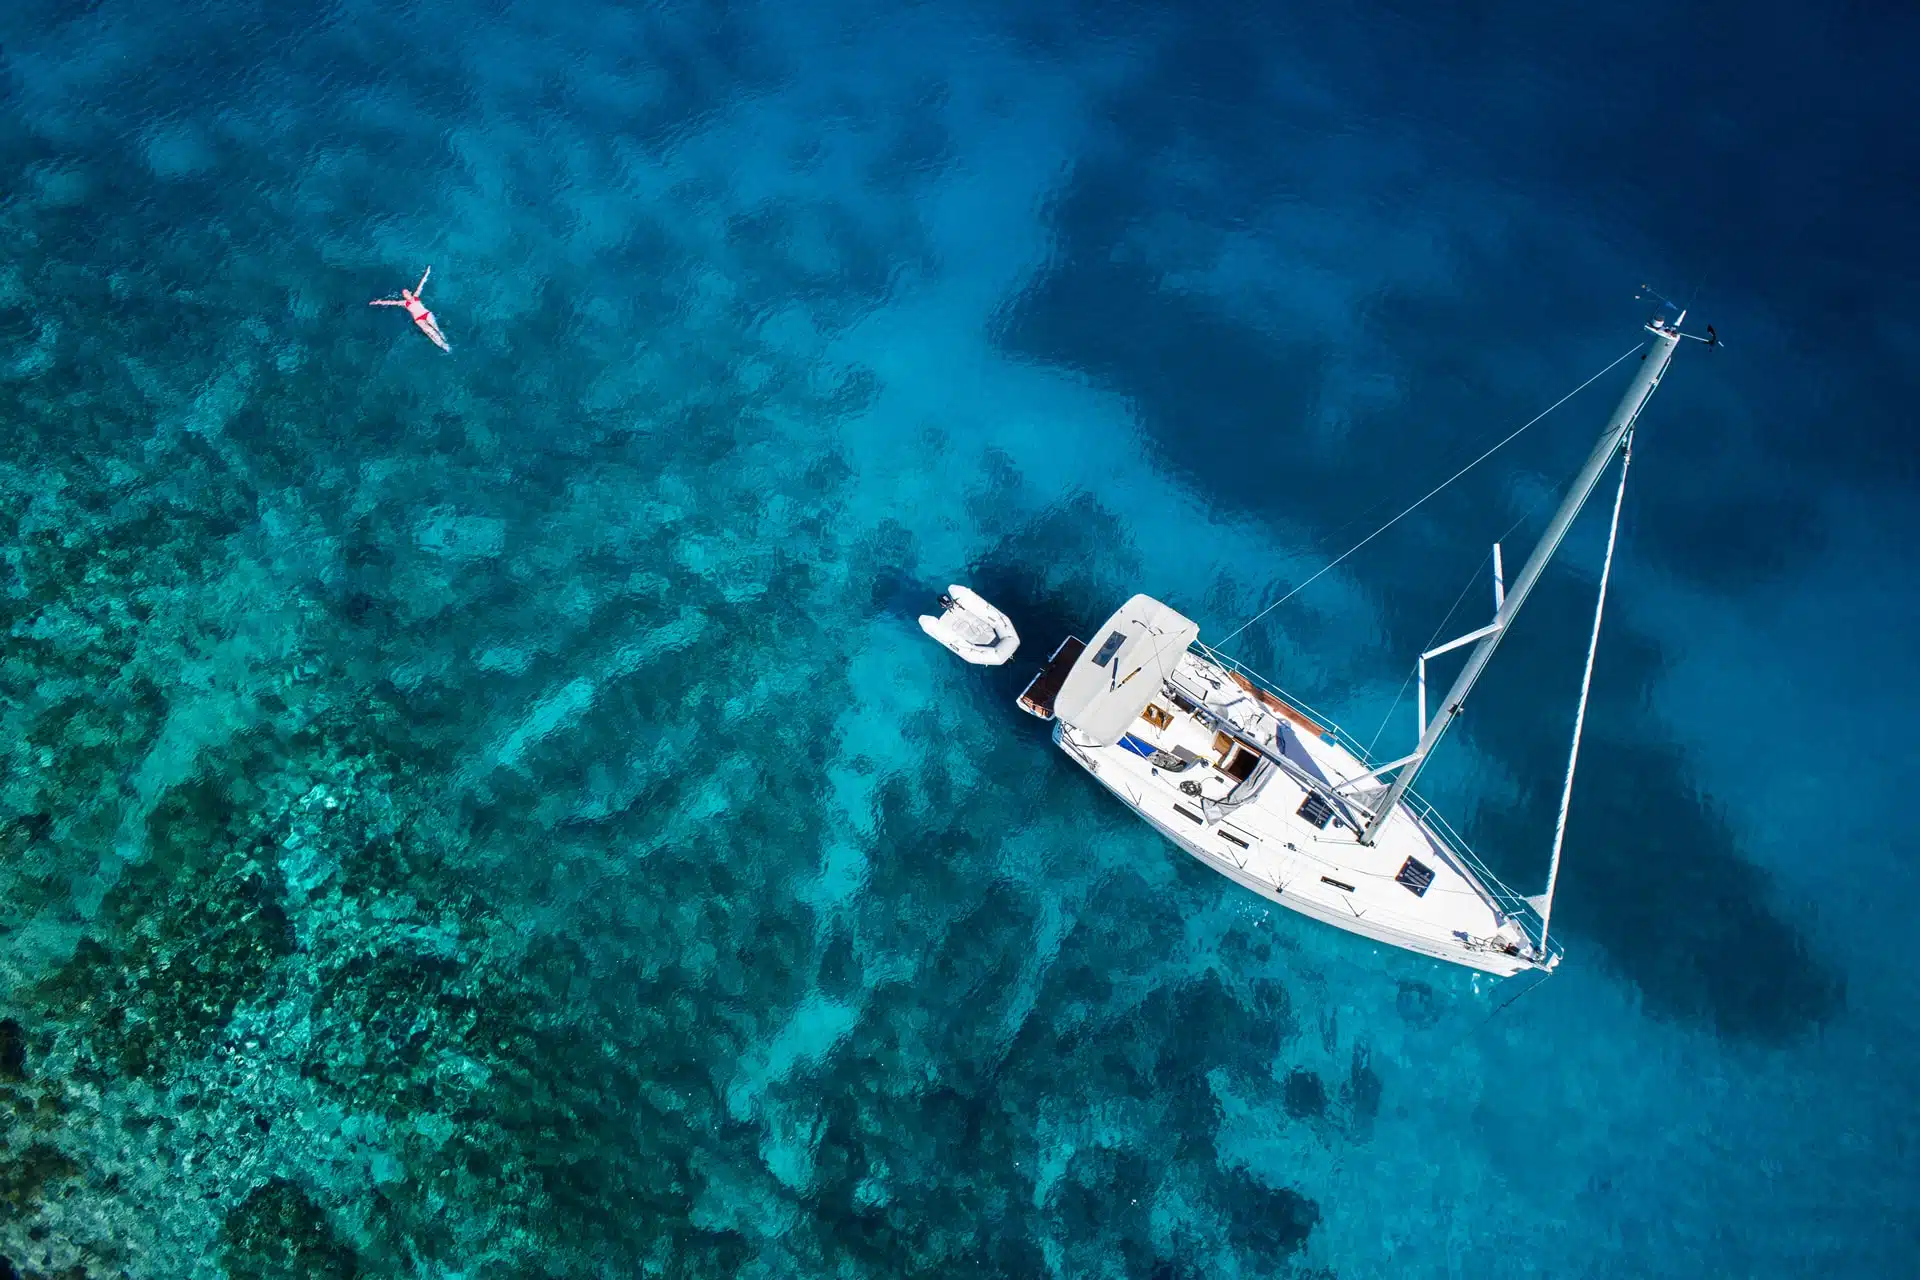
1038 697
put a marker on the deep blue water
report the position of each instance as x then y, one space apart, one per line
494 815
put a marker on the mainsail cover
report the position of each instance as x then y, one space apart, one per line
1124 666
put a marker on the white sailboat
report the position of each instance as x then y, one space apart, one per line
1277 798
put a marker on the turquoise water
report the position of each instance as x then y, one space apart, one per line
494 814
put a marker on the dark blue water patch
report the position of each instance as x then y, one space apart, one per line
1305 1095
1187 367
1265 1221
1417 1005
857 267
839 974
1220 1029
278 1230
1683 137
13 1051
1209 104
1729 542
899 594
1362 1092
1767 211
19 326
1652 868
977 973
1056 567
1108 1191
1699 150
921 144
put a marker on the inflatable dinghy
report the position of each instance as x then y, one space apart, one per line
972 628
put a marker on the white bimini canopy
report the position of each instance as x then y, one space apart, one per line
1129 658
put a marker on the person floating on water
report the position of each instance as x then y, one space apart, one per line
410 299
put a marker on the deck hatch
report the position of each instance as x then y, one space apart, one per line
1241 766
1315 809
1416 875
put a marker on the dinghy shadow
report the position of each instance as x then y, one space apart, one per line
1036 611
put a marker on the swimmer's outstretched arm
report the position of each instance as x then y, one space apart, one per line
423 279
386 302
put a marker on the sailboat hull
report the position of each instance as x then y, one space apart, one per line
1497 964
1238 777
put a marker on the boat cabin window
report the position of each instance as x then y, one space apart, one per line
1109 647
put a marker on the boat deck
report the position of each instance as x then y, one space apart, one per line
1243 781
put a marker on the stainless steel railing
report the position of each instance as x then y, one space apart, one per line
1511 904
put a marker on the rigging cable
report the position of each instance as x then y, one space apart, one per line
1525 516
1586 683
1428 645
1504 1005
1508 439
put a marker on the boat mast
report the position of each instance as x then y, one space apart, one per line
1666 335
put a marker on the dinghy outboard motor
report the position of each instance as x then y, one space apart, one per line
972 628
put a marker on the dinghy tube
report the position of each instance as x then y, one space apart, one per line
971 628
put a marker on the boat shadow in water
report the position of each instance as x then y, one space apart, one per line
902 598
1046 608
1654 870
903 595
